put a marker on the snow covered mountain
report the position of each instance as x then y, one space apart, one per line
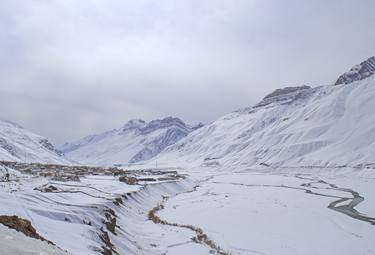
19 144
300 126
358 72
137 140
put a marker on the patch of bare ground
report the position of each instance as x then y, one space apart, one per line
107 248
110 220
130 180
118 201
22 225
138 177
200 237
62 172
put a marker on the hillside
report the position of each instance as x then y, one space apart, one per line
19 144
294 126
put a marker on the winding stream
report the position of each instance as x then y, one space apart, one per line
344 205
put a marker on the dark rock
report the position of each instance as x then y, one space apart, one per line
358 72
286 95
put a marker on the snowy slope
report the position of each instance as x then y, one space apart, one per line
302 126
135 141
96 215
15 243
19 144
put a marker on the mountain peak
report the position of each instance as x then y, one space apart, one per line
286 90
286 95
167 121
358 72
137 140
164 123
134 124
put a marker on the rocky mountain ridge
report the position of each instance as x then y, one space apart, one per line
135 141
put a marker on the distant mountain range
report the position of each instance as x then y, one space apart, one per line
293 126
136 141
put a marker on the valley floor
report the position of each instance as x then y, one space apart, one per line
273 213
280 211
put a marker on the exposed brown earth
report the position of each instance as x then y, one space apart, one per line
110 220
67 172
22 225
200 237
130 180
74 173
108 248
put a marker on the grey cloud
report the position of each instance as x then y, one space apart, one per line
70 68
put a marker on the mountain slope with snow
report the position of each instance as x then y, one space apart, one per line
19 144
302 126
358 72
135 141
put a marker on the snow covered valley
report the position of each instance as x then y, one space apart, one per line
294 174
197 211
269 212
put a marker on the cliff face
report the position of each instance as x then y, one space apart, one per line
358 72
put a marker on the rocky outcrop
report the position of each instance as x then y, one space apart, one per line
49 146
358 72
285 95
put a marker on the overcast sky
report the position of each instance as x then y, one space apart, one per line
70 68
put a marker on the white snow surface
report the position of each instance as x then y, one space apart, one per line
19 144
16 243
327 126
271 212
253 211
74 215
135 141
